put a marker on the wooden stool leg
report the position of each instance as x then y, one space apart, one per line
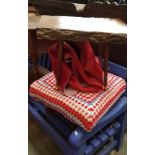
60 54
100 53
32 43
106 57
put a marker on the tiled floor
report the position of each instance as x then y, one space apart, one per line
41 144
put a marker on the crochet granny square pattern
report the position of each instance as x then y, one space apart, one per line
83 109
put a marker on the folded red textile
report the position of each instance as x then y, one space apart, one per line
80 69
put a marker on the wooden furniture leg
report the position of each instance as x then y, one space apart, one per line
100 53
32 43
106 57
60 55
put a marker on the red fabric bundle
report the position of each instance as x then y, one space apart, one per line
83 72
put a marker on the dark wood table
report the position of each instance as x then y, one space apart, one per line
61 28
